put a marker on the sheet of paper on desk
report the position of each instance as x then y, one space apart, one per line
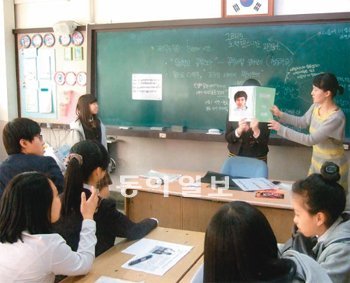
160 175
164 255
105 279
254 184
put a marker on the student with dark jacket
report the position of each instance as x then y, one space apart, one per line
24 145
88 162
249 139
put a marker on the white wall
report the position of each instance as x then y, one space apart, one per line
8 93
44 13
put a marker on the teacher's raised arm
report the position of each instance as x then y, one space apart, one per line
325 122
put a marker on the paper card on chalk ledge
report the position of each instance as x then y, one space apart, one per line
251 102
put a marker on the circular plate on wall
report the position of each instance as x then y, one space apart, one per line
60 78
77 38
25 41
49 39
37 40
71 78
81 78
65 39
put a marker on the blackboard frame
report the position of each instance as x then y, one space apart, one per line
93 30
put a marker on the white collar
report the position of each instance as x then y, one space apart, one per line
88 187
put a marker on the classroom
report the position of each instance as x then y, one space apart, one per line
137 152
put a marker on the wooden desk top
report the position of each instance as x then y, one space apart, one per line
189 275
208 193
110 262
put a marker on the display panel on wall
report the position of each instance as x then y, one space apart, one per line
38 91
171 75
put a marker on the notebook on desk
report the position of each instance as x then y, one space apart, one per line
220 178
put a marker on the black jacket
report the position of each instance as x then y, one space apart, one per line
246 144
110 223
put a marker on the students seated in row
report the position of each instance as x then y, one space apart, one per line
88 162
240 247
30 252
24 145
319 203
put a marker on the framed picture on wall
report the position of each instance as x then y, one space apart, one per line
239 8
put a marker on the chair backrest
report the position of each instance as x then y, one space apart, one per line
239 166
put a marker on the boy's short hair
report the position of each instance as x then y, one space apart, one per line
17 129
239 94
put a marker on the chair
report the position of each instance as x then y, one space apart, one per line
239 166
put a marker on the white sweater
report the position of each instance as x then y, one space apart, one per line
39 257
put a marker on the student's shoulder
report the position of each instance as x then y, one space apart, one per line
107 204
51 239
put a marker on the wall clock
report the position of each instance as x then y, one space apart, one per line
237 8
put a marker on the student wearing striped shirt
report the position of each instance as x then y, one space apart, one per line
325 122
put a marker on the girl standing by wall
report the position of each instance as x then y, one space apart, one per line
89 127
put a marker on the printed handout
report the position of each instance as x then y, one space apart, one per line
159 257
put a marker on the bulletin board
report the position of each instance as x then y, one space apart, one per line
51 73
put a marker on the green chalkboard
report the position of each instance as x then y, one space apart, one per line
198 63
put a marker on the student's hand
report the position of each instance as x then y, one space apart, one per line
274 125
242 126
276 112
254 125
88 207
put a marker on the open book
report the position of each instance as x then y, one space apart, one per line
251 102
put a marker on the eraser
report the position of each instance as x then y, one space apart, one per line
157 128
214 132
176 128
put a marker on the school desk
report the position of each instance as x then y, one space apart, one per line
109 263
181 207
189 275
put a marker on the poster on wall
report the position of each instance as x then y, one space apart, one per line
147 86
38 92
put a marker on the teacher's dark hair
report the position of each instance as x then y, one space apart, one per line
328 82
241 246
322 193
25 206
93 155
